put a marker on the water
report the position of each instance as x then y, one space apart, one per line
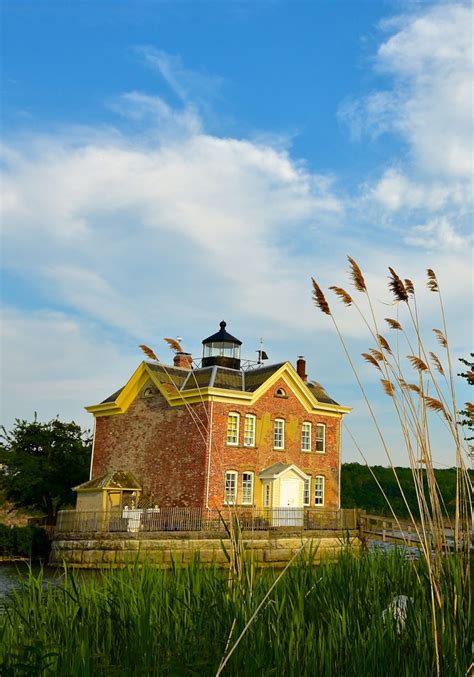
11 572
409 552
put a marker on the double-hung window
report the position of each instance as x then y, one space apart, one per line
320 438
266 495
247 488
279 434
230 492
319 490
233 420
307 491
306 437
249 430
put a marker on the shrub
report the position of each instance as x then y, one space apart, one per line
27 541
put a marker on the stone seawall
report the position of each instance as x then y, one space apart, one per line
91 551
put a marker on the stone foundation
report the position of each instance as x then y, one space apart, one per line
266 549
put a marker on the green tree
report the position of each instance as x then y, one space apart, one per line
468 412
40 462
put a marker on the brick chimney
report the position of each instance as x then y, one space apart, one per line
183 360
301 368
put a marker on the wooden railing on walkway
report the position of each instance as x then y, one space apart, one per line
387 529
136 520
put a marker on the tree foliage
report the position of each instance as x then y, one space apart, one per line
468 412
40 462
360 490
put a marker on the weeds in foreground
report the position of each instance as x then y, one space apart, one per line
325 619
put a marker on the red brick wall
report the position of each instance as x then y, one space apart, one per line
160 444
263 455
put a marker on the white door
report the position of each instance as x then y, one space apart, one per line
291 512
289 493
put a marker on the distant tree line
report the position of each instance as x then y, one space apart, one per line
360 490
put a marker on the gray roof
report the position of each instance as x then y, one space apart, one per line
114 479
273 470
319 392
243 380
222 336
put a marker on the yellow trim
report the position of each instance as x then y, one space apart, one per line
176 398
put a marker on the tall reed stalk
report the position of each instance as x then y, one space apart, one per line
431 392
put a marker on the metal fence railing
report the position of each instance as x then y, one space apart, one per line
139 520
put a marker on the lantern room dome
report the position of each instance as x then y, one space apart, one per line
222 349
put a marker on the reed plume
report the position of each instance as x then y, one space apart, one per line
409 286
413 387
397 287
432 281
388 387
441 337
371 360
384 343
437 363
393 324
436 405
343 295
417 363
148 352
377 354
356 275
319 298
174 345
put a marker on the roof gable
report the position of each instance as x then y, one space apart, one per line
183 386
115 479
278 469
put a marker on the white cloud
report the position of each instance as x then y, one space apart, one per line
54 363
190 86
168 229
430 58
430 104
110 226
395 192
427 192
437 234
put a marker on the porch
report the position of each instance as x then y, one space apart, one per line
131 521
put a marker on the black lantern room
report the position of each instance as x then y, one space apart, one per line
221 349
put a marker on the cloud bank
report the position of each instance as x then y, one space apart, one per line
157 227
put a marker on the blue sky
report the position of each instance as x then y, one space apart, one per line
167 165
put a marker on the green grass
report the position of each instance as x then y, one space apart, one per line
319 620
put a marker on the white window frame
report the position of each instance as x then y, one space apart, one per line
234 441
319 490
249 440
306 427
280 435
320 426
267 492
235 475
249 500
307 491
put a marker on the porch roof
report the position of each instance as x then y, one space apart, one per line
114 479
277 469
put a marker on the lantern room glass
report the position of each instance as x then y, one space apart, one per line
222 349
